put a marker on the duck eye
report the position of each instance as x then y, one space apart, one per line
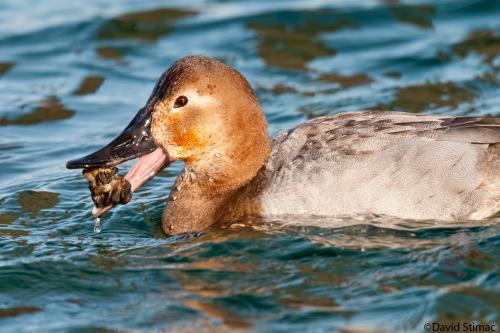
180 101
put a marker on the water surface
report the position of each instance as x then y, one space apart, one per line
72 75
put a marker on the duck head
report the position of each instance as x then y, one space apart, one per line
204 113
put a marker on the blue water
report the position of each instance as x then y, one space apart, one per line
72 75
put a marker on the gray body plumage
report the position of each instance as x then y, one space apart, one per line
392 163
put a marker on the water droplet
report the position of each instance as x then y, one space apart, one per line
97 225
174 198
218 154
210 179
171 227
178 188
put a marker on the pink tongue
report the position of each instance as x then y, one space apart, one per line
146 167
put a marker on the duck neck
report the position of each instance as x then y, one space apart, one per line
192 205
200 192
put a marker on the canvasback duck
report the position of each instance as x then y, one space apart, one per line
206 114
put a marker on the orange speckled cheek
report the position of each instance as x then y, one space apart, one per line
190 142
172 132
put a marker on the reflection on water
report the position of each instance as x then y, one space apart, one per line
12 312
419 15
347 81
72 74
430 95
107 52
484 42
34 201
147 25
5 66
292 41
49 109
89 85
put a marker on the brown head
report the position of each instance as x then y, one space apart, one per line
208 116
205 113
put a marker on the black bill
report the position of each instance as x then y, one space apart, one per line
136 140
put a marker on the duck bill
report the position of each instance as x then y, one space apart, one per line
135 141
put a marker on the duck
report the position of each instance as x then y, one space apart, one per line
206 114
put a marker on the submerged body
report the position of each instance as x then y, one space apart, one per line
206 114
